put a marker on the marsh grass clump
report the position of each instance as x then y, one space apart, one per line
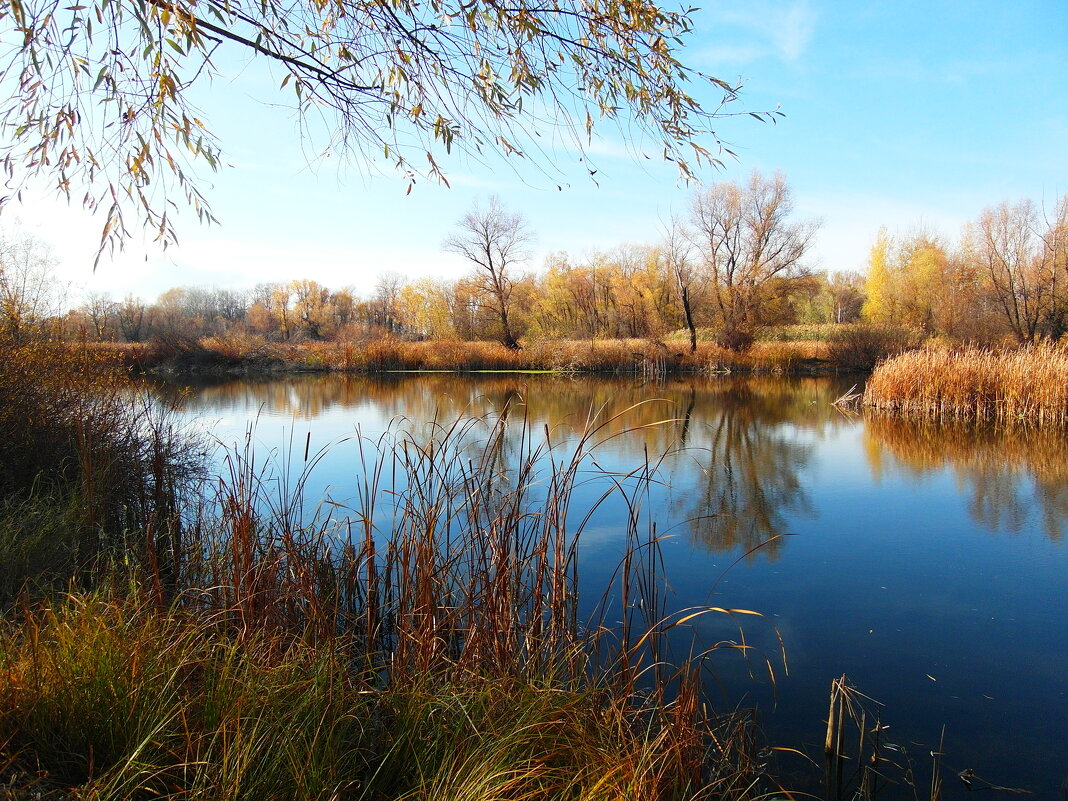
1028 385
120 699
859 346
87 464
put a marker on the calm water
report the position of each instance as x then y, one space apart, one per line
926 563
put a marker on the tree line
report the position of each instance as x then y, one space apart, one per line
1005 277
737 262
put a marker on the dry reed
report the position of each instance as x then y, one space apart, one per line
424 643
649 358
1000 386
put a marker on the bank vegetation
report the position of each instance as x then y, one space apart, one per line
731 285
168 636
1028 385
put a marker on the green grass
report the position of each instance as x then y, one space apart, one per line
119 699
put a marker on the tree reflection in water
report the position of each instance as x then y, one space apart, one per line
749 467
1008 472
732 444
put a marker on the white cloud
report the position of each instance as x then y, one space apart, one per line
782 31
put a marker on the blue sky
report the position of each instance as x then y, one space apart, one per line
896 113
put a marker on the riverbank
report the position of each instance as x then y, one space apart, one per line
631 357
171 634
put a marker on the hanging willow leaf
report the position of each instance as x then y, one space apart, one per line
397 77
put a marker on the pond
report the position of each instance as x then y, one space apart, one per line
925 562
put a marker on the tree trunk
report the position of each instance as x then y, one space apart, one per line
689 319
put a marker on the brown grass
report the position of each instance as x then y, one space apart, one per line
423 643
1025 385
241 353
86 464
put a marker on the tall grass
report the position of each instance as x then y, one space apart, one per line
85 465
861 347
1000 386
426 642
112 700
246 353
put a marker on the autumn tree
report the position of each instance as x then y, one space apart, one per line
1017 266
425 308
679 261
130 314
383 305
99 93
636 290
750 248
844 291
310 304
343 311
1055 244
880 296
495 241
99 309
923 282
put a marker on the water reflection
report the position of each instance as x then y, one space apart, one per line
1009 474
750 469
738 447
895 580
733 450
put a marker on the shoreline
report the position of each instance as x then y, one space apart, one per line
602 357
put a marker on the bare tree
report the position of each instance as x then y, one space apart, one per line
384 301
750 248
131 314
683 268
28 290
1055 239
495 241
1017 265
100 309
845 291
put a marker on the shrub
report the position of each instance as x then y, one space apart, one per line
77 439
861 347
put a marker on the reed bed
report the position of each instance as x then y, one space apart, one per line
87 464
425 641
651 358
1027 385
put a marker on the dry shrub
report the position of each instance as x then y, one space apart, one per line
77 444
861 347
237 346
